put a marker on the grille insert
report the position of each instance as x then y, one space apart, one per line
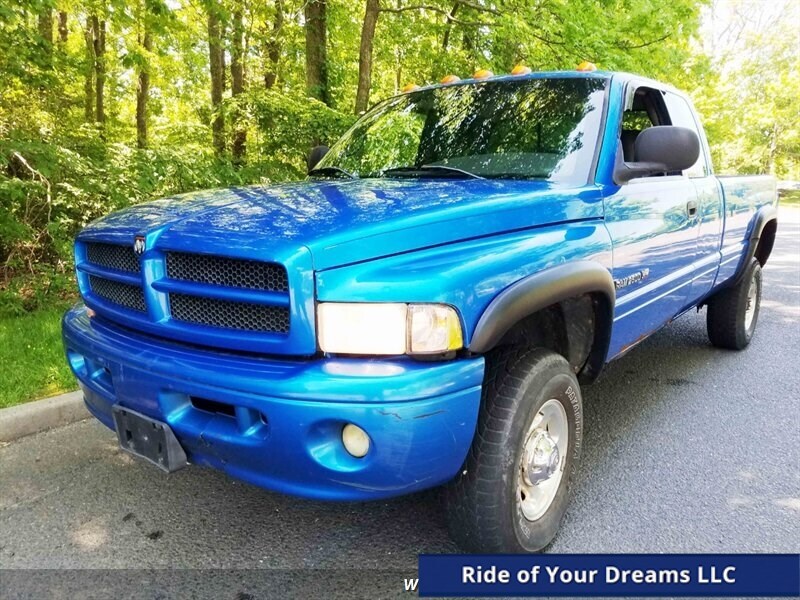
124 294
233 315
113 256
231 272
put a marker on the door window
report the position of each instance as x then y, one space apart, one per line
645 108
681 114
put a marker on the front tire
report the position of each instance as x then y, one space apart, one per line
733 312
514 488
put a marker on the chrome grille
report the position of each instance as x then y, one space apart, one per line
113 256
124 294
231 272
224 313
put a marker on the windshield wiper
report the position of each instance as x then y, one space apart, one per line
423 168
519 176
332 171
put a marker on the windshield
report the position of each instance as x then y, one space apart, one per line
532 128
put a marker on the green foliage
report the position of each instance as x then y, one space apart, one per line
59 169
790 198
286 126
40 289
746 86
59 183
32 361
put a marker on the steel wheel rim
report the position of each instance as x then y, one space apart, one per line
752 297
537 488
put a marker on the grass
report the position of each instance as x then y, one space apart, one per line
790 198
32 363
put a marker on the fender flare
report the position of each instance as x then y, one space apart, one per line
763 216
538 291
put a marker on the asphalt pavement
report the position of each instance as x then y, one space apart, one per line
687 449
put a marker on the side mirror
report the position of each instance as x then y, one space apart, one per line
662 149
316 154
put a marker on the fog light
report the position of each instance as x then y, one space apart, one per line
355 440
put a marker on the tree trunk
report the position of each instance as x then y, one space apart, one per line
239 146
99 42
217 75
46 26
468 44
449 26
143 90
773 148
88 76
237 54
398 78
223 32
63 30
317 50
273 47
365 55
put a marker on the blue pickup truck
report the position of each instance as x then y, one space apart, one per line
424 308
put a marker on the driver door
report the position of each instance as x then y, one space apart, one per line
651 221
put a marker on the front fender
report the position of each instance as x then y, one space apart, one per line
536 292
544 289
468 275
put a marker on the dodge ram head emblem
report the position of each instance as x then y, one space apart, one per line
138 244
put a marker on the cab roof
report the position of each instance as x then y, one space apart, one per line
621 76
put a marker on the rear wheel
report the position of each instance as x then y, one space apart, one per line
514 488
733 312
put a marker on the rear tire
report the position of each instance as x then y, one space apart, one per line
514 488
733 312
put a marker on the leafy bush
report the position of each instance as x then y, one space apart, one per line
287 127
53 184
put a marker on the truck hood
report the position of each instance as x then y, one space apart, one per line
346 221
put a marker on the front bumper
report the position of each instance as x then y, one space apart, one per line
277 423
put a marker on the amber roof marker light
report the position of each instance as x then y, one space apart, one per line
586 67
482 74
450 79
521 70
409 87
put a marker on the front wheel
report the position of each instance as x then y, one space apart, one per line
514 488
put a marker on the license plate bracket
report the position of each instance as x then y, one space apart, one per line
147 438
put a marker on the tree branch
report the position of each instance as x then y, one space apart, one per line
626 46
440 10
479 7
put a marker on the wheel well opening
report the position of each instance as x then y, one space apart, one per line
573 328
766 242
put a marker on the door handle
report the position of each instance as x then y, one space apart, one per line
691 208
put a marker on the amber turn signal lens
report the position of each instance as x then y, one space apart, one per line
482 74
586 66
521 70
450 79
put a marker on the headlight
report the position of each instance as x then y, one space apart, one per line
362 328
388 328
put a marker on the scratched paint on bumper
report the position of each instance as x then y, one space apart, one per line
283 431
